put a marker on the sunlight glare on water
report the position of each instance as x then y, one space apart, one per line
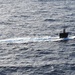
26 30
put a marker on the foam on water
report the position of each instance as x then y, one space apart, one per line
34 39
25 39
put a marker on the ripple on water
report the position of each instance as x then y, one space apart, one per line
24 48
50 20
61 69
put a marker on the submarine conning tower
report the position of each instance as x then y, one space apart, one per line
64 34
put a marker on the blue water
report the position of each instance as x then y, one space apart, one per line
31 19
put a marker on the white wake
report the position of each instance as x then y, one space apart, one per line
34 39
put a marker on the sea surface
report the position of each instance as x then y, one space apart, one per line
37 18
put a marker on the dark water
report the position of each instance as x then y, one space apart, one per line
31 18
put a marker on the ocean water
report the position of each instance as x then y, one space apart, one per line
28 20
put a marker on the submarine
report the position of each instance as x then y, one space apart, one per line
64 34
